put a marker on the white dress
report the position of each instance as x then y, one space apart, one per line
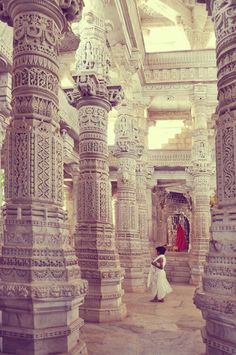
157 280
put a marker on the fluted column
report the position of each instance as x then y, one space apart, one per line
127 217
41 289
95 238
201 171
217 296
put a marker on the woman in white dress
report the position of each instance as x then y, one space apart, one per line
157 280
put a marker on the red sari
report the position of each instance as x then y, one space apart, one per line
180 241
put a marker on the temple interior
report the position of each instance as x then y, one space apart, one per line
117 135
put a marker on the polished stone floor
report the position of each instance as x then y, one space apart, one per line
170 328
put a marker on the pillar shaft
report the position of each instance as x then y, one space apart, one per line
141 178
217 297
95 238
201 171
2 137
127 216
40 289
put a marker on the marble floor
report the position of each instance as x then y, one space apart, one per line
169 328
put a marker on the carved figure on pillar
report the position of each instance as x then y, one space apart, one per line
95 238
217 296
42 292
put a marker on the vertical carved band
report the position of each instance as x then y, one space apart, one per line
34 144
224 13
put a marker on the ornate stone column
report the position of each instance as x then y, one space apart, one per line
141 191
68 203
72 194
3 126
74 168
95 239
201 171
149 210
41 289
217 296
5 110
127 217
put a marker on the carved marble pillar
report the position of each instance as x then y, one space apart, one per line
95 238
2 137
217 296
127 216
74 168
41 289
68 203
149 210
5 110
141 193
201 172
143 173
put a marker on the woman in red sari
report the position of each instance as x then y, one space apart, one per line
180 241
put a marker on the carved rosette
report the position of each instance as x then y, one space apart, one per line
95 238
127 234
45 274
216 297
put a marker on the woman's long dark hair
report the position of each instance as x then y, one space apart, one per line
161 250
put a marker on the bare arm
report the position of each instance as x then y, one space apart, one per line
158 264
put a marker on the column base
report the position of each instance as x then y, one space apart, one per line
40 327
103 315
219 333
215 346
80 349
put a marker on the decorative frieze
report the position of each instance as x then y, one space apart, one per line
180 74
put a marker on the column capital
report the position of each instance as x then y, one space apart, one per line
71 9
73 169
93 62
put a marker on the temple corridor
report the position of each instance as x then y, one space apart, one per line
170 328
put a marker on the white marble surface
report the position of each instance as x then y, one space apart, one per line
170 328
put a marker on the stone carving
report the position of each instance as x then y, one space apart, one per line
38 265
94 237
201 169
216 297
127 222
72 9
228 163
